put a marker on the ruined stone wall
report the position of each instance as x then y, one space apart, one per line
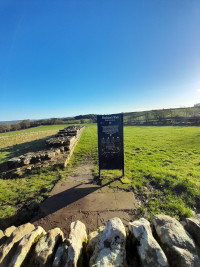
57 152
164 242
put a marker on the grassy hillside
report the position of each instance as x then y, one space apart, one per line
177 116
161 163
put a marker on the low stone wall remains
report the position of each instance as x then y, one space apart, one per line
58 151
164 242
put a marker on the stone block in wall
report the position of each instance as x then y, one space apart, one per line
176 241
61 255
193 227
13 163
76 238
94 239
6 251
2 238
46 247
25 245
26 160
62 149
57 151
50 154
112 248
149 250
1 234
9 231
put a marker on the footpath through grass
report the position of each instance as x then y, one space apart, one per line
162 163
20 198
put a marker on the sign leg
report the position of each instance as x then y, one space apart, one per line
99 173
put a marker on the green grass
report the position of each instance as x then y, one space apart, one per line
19 198
161 162
167 160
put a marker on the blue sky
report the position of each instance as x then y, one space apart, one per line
64 58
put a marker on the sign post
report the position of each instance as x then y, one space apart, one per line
110 142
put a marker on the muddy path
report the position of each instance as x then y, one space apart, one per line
78 197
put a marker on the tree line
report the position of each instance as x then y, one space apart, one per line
177 116
25 124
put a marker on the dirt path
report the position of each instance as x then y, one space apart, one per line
79 198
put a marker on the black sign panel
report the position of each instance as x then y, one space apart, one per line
110 141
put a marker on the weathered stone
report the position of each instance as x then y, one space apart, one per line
35 158
76 239
62 149
149 250
1 234
45 248
57 151
16 235
193 227
173 238
61 254
183 257
2 238
26 160
25 245
9 230
14 163
50 154
66 148
112 246
94 239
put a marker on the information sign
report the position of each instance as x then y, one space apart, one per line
110 142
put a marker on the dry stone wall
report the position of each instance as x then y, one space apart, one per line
58 151
165 242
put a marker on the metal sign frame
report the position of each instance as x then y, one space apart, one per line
110 142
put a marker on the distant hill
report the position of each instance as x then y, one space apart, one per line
172 116
10 122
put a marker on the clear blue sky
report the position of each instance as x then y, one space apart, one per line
64 58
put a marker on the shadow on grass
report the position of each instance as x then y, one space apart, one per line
37 211
20 149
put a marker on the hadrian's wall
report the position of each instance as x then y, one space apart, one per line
165 242
57 152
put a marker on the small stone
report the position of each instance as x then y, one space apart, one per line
149 250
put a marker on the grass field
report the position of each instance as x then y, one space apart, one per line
162 163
